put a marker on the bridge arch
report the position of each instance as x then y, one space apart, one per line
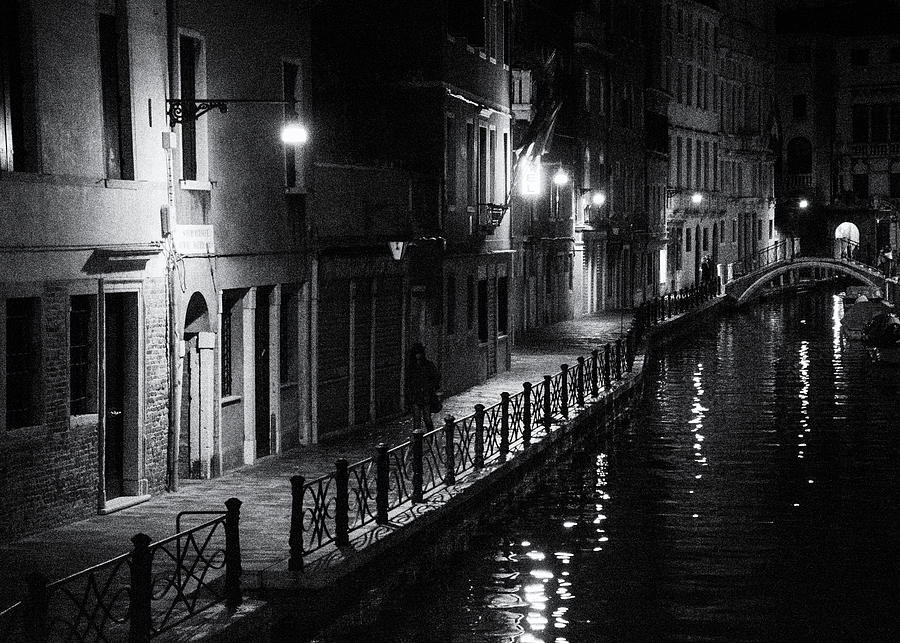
746 289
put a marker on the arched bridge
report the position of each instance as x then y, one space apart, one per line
782 266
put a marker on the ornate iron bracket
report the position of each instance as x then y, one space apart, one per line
180 110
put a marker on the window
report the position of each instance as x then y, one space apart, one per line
450 161
17 122
289 73
861 185
698 175
895 122
502 305
470 302
492 166
289 367
689 155
894 55
679 235
705 239
82 354
798 106
470 164
689 88
799 54
482 310
230 338
483 196
859 57
678 162
466 19
771 229
687 240
895 180
799 156
879 122
23 362
860 123
734 231
189 55
505 166
451 304
679 83
115 85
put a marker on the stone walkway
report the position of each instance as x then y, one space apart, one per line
264 488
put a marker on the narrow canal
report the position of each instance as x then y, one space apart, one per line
753 497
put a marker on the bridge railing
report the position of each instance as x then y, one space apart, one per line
783 250
847 250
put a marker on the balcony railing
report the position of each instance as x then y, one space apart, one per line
874 149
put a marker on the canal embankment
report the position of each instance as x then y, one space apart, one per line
343 587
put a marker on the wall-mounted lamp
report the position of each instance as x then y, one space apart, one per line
696 198
803 204
593 197
561 177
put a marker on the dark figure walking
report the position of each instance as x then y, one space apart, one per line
423 380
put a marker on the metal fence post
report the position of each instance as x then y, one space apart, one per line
548 402
607 357
381 483
504 426
417 456
341 503
564 390
233 567
618 365
526 414
579 382
141 591
630 350
35 607
450 455
595 358
295 541
479 436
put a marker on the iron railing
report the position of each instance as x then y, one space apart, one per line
329 508
138 595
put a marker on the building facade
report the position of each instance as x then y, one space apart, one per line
837 84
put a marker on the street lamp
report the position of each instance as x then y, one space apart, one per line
598 198
294 133
803 204
696 198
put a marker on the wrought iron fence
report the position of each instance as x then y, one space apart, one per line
327 509
138 595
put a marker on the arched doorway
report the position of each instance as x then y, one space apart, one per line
195 440
846 241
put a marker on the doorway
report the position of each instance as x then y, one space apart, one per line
197 367
846 237
262 372
120 447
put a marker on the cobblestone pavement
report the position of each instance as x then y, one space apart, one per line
264 487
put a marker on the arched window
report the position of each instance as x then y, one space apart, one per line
799 156
895 180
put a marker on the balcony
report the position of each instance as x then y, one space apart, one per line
872 149
490 215
796 182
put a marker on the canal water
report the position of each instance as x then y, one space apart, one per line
752 497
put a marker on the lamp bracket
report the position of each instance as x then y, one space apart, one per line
181 110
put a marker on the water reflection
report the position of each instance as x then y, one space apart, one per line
708 520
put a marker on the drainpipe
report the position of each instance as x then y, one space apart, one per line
174 344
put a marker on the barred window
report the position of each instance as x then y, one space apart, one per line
23 362
82 354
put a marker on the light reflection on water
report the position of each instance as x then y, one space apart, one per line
753 499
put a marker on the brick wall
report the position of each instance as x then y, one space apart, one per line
48 473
